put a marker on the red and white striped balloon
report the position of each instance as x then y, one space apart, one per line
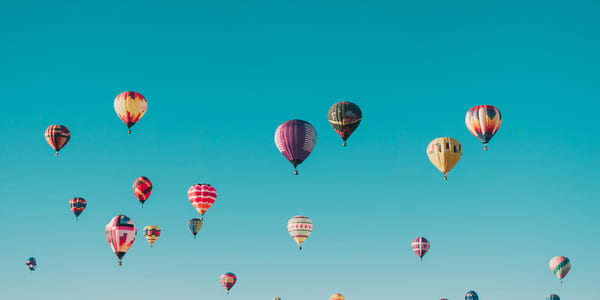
202 197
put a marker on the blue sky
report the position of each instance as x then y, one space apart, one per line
221 76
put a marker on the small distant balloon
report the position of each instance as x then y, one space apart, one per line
227 281
560 266
31 264
344 117
57 136
202 196
420 246
151 233
337 297
277 298
120 234
142 188
483 121
471 295
295 139
300 228
444 153
77 205
195 225
130 107
552 297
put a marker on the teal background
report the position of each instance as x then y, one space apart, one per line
221 76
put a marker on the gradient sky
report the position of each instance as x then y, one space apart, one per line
220 76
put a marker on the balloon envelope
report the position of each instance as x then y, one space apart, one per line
77 205
195 225
444 153
151 233
552 297
142 188
299 228
344 117
31 264
57 136
483 121
120 234
202 196
295 139
130 107
560 266
471 295
420 246
228 280
337 297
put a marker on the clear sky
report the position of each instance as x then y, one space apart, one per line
220 76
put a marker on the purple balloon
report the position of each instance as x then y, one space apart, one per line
295 139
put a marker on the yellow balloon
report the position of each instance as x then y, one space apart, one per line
444 153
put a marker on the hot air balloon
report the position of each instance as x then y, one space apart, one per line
336 297
202 197
277 298
131 107
120 233
77 205
420 246
31 264
560 266
295 139
444 299
228 280
151 233
483 121
142 188
471 295
195 225
444 153
552 297
344 117
300 228
57 136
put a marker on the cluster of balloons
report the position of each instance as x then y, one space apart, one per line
295 139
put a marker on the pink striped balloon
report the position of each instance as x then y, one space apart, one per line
202 197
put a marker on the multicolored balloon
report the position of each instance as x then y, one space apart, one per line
420 246
444 153
142 188
295 139
337 297
31 264
77 205
228 280
471 295
560 266
120 233
277 298
151 233
552 297
483 121
300 228
344 117
194 225
57 136
202 197
131 107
